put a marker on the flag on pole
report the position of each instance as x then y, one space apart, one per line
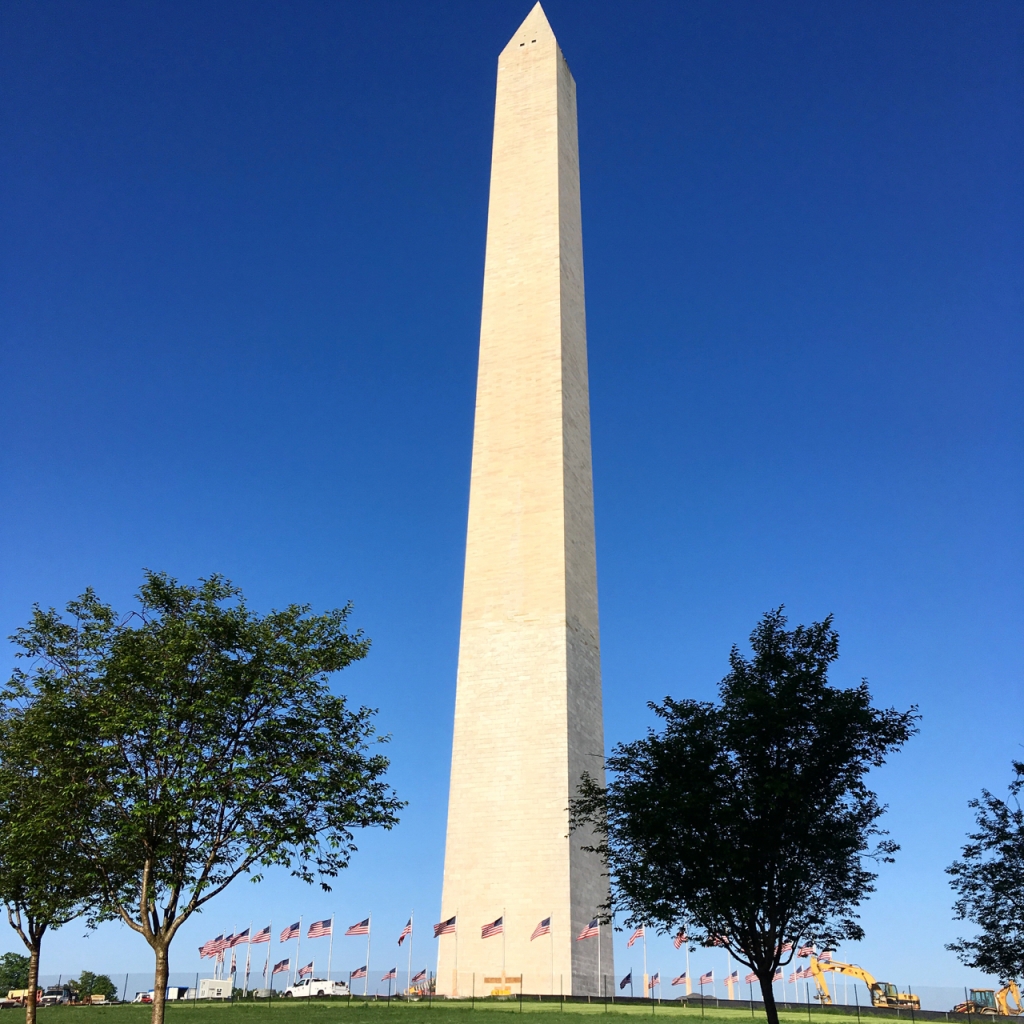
291 932
359 972
590 931
234 966
787 947
777 976
627 980
210 947
445 927
281 967
308 969
494 928
805 951
318 929
680 938
638 934
733 978
656 979
261 936
795 976
825 956
407 930
240 938
750 978
719 940
544 928
681 980
224 943
360 927
707 979
391 975
419 976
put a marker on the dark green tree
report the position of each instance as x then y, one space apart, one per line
989 883
204 744
89 985
45 879
747 822
13 973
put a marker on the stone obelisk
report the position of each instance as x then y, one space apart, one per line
528 716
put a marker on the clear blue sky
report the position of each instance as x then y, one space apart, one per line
242 251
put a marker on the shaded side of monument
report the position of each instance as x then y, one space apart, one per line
528 717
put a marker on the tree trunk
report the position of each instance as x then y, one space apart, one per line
33 981
160 984
768 996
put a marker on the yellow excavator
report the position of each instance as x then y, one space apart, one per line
989 1002
883 993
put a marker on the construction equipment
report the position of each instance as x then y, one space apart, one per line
989 1002
883 993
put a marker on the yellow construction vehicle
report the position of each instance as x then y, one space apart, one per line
883 993
991 1003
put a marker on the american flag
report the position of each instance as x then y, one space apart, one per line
638 934
308 969
707 979
281 967
681 980
680 938
318 929
359 972
419 976
750 978
825 956
656 979
224 943
291 932
407 930
718 940
494 928
210 947
777 976
733 978
445 927
261 936
795 976
240 938
360 927
391 975
805 951
544 928
234 966
627 980
590 931
787 947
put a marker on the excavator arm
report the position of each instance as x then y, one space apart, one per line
882 993
1003 997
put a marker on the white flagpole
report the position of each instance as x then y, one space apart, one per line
330 954
503 947
456 979
248 953
270 942
599 954
369 928
646 989
551 936
298 942
409 971
689 979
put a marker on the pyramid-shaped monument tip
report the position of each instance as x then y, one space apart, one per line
534 26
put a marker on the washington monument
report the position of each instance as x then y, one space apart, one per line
528 700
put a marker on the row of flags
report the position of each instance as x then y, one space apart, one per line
497 927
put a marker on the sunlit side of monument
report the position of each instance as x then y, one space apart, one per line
528 716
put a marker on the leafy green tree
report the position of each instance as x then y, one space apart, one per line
747 822
45 880
90 984
13 972
989 883
205 745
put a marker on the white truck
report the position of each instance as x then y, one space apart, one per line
315 987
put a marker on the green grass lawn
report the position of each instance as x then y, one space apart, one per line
440 1012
